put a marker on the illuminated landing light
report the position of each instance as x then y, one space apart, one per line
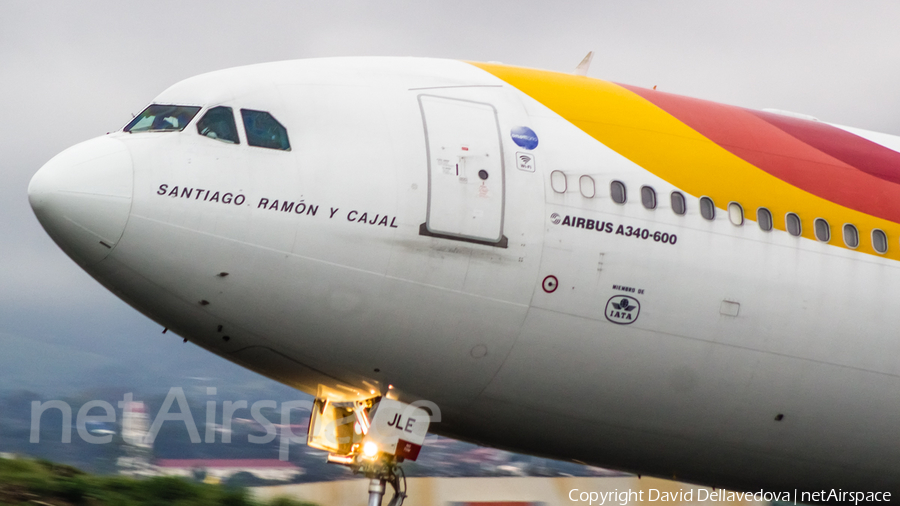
370 449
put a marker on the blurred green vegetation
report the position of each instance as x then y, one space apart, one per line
41 482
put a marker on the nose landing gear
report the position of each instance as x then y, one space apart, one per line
374 449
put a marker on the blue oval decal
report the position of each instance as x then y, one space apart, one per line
524 137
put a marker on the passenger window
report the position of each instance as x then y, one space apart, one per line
792 222
587 186
218 123
264 131
823 230
764 218
648 197
736 214
879 241
851 236
162 118
679 205
558 181
617 192
707 208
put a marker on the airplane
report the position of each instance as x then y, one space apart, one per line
537 261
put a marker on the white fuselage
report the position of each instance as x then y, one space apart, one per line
348 266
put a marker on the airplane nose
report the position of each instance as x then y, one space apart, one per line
82 197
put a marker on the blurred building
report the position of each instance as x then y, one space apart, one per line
138 452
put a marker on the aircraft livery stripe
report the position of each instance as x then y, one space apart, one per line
761 139
667 147
867 156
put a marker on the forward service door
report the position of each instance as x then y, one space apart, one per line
465 171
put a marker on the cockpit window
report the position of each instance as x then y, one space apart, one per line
218 123
163 118
264 131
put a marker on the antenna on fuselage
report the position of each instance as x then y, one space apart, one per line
582 68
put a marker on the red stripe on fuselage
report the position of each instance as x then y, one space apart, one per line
753 138
865 155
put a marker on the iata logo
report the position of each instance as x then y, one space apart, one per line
622 309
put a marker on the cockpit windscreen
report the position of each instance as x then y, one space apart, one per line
162 118
218 123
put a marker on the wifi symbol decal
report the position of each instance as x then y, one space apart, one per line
525 161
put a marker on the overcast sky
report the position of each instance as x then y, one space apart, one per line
70 71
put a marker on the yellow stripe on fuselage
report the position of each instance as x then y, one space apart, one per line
660 143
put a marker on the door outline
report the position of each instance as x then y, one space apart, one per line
503 241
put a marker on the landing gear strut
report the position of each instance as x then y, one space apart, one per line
378 482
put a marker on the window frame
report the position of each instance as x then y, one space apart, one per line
844 235
624 192
787 227
883 233
287 136
816 223
233 124
565 181
770 217
593 186
740 209
652 193
683 202
129 127
712 208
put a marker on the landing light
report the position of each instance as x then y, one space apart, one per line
370 449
